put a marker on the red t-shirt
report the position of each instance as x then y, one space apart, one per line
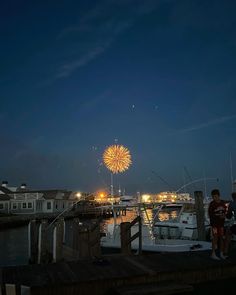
217 212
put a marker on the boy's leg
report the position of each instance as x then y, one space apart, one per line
221 234
214 241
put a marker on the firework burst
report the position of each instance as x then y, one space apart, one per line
117 158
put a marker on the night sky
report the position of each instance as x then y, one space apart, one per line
155 76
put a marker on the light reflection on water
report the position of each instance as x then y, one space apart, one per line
14 241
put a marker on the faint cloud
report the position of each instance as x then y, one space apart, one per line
99 28
70 67
217 121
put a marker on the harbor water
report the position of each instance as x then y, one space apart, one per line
14 241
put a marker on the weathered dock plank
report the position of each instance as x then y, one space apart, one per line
98 276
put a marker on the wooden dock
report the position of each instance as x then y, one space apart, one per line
113 274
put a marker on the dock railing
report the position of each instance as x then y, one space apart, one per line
126 237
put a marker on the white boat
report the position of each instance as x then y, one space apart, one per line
176 235
127 201
151 243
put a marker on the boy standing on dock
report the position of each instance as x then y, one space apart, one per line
217 211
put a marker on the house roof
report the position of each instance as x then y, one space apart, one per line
48 194
5 190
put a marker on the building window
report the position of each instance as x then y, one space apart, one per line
14 206
49 206
1 206
29 205
24 205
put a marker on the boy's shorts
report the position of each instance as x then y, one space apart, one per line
217 231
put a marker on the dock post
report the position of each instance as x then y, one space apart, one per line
86 239
58 240
32 241
42 242
75 229
125 236
140 244
94 240
200 215
64 229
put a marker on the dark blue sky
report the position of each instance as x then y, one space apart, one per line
156 76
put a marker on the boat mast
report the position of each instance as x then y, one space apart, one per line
231 173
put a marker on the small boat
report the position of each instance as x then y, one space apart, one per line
127 201
151 243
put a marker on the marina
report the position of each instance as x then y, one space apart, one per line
80 263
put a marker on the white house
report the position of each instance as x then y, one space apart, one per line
25 201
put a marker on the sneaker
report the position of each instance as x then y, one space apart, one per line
213 256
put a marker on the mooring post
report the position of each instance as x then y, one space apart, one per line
86 239
83 241
64 229
32 241
94 240
200 215
125 237
75 229
42 242
140 244
58 240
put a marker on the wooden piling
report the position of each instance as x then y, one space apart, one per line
75 229
58 235
86 239
33 241
200 215
43 243
125 236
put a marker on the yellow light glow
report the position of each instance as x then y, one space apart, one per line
145 198
117 158
78 195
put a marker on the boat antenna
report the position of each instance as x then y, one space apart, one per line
205 185
231 173
190 179
169 186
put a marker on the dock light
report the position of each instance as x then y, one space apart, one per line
78 195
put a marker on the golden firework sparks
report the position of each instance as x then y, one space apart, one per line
117 158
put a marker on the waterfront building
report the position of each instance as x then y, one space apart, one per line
25 201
